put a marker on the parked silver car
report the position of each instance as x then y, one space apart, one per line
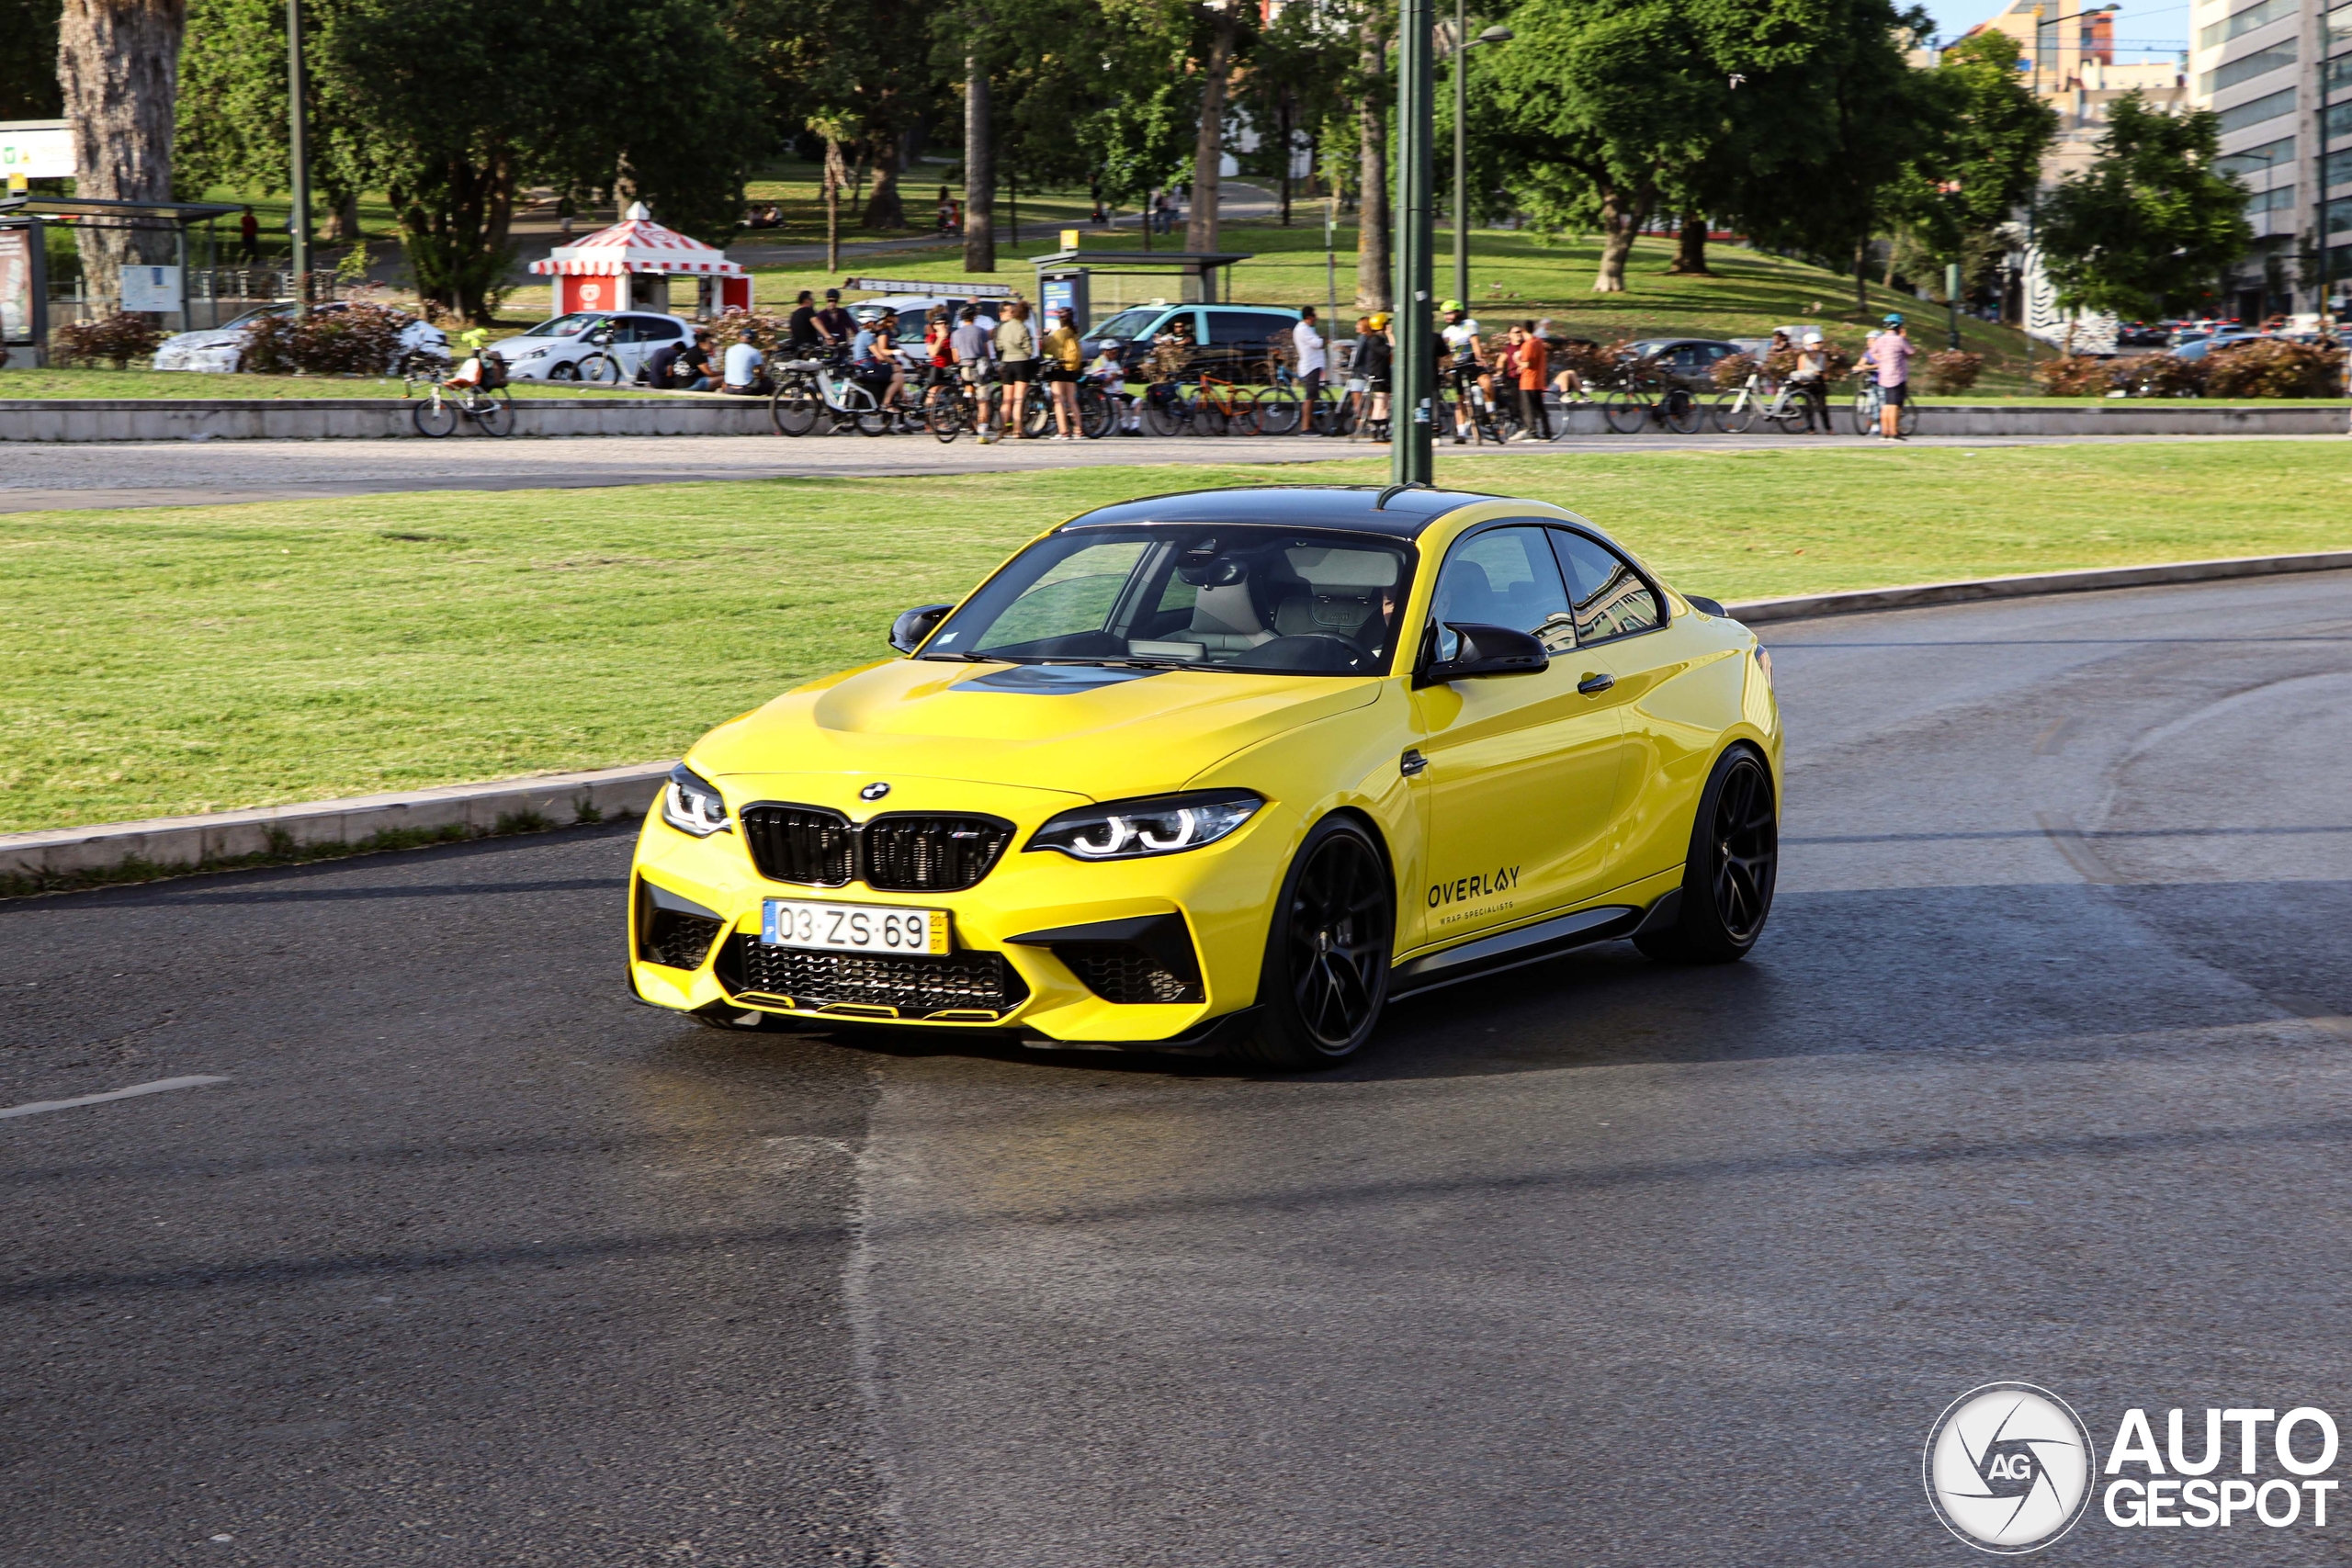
220 349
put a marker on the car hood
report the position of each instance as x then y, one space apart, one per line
1078 730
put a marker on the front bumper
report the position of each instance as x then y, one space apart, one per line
1127 951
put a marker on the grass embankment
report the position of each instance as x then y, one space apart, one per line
163 661
63 383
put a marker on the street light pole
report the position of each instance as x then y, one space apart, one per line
1461 47
298 144
1410 460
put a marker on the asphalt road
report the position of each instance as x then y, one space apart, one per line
46 476
2039 1073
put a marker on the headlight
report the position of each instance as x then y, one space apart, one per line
690 805
535 354
1130 830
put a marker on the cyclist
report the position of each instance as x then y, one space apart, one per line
874 359
1064 357
476 370
1810 381
1890 355
1465 361
834 321
1374 359
969 346
1109 372
938 353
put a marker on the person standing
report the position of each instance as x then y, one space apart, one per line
800 328
968 345
1810 381
1065 355
1375 359
1531 363
1890 355
1314 361
1016 355
248 237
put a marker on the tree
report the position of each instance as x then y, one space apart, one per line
118 65
1611 108
232 119
1221 27
465 103
1983 161
29 88
1373 89
2149 225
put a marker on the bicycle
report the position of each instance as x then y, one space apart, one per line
438 411
1870 400
1642 394
1207 405
807 388
1740 408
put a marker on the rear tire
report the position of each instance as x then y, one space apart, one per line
1096 414
435 417
1684 412
1733 863
495 413
1326 974
792 408
1625 412
601 370
1733 414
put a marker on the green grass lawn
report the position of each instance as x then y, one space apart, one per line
164 661
205 385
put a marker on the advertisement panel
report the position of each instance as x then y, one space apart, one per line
17 285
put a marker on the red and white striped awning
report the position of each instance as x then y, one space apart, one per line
636 243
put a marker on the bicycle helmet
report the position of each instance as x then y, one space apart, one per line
1894 318
1378 321
1451 305
1812 338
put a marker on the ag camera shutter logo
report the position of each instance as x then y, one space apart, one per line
2009 1468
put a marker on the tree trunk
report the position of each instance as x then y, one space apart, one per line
1282 125
1690 257
884 209
1208 150
835 177
1862 274
343 217
119 62
1375 276
1623 213
979 172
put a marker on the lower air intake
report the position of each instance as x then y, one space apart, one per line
910 984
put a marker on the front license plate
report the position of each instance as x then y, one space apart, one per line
853 927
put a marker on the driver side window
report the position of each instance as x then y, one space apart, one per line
1505 577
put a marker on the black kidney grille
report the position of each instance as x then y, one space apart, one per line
902 852
1123 972
931 854
800 843
914 985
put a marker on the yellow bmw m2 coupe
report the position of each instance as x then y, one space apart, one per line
1227 772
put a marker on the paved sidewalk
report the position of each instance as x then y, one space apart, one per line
43 478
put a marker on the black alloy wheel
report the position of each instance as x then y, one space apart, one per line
1326 974
1734 859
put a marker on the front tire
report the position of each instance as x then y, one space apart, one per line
1326 974
1733 863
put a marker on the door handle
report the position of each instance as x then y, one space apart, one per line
1412 762
1593 685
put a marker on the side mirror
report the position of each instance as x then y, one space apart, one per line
1460 650
909 630
1706 605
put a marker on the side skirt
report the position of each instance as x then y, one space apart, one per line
1529 944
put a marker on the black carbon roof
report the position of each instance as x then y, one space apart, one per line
1295 506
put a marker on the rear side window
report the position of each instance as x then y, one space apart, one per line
1504 577
1611 600
1249 328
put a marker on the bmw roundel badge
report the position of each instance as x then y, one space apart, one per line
873 792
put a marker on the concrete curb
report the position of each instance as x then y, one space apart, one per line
184 843
64 855
1805 606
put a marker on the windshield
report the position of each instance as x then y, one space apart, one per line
1272 601
1127 324
571 325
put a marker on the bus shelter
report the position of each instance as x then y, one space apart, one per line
1069 278
158 288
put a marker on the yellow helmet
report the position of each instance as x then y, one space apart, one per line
1379 321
